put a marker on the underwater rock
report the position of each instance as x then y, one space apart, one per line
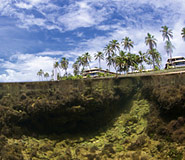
23 97
94 149
123 118
3 141
11 152
141 140
109 148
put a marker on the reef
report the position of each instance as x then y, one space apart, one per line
117 118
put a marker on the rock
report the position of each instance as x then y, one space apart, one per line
23 97
109 147
94 149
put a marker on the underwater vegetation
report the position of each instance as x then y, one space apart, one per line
136 118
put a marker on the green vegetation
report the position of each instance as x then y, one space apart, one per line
64 65
41 73
127 43
122 60
99 56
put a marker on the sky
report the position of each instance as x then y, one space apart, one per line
36 33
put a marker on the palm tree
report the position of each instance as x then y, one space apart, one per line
64 64
40 73
183 33
99 56
76 68
151 42
156 57
133 60
166 33
108 52
52 75
127 43
56 67
80 61
87 59
169 48
143 58
120 61
46 75
109 61
114 44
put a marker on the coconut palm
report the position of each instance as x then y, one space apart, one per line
120 61
56 68
183 33
109 61
87 59
169 48
133 61
40 74
80 61
46 75
64 64
156 58
76 68
108 52
52 75
151 42
99 56
127 43
166 33
143 58
115 46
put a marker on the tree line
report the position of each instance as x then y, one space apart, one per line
118 55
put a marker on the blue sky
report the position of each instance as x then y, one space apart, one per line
36 33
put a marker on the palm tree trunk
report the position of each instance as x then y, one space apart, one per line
153 61
89 66
99 64
59 72
170 57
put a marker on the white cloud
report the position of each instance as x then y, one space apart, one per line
81 14
88 13
79 34
24 5
36 2
50 53
24 67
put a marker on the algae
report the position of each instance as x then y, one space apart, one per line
125 118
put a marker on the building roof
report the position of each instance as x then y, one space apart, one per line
96 70
93 69
176 57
